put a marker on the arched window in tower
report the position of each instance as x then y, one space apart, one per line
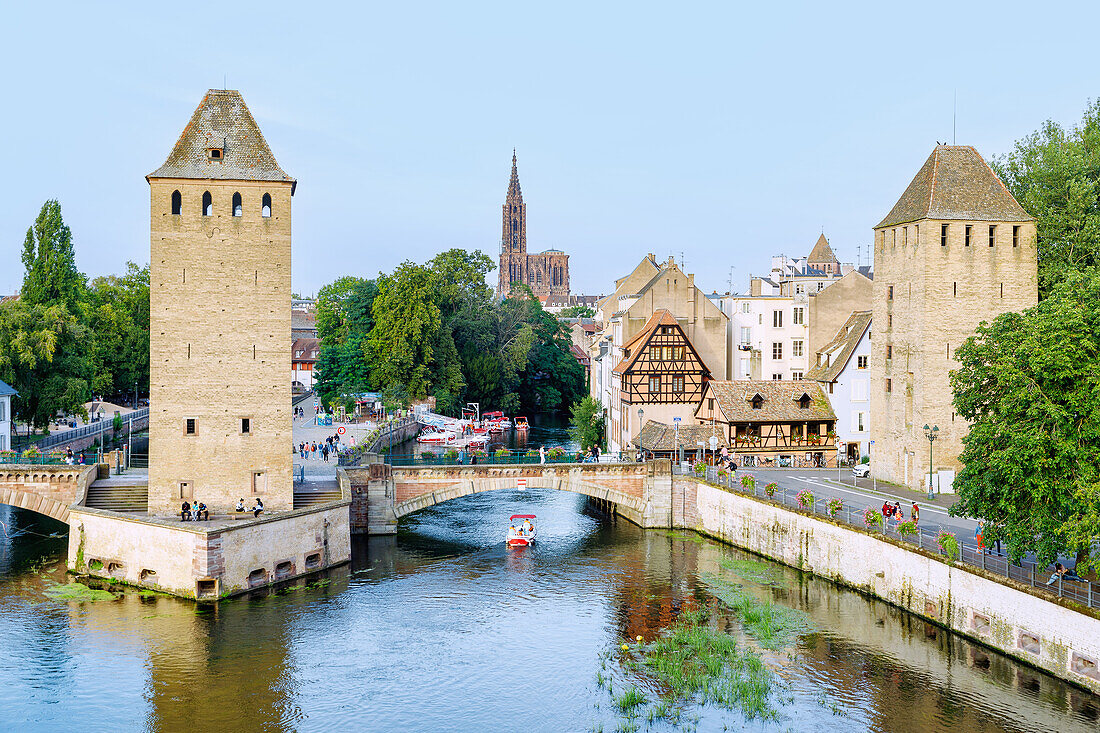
177 203
207 204
238 208
265 208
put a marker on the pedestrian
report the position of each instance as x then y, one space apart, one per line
324 453
978 532
887 510
542 454
916 513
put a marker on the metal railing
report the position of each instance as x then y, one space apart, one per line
67 436
12 458
1030 573
469 459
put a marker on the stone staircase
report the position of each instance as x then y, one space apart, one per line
311 493
115 498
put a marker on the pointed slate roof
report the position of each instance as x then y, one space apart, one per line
822 252
513 183
841 348
222 120
955 183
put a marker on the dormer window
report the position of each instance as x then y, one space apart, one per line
757 401
804 402
215 153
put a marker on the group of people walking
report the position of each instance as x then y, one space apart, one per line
330 446
893 512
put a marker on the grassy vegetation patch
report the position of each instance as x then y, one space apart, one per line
698 663
78 592
754 570
774 626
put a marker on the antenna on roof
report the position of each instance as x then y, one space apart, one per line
954 113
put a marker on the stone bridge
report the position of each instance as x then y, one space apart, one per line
48 490
382 494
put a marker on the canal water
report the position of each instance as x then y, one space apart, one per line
443 628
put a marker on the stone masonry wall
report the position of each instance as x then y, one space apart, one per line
1001 615
48 490
219 340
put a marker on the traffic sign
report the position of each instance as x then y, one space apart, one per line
675 419
521 484
341 430
872 442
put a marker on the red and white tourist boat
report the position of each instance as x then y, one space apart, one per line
436 437
521 423
524 534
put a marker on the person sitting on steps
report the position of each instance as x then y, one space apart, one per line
259 507
240 505
185 512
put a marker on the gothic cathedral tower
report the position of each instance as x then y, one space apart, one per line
513 237
220 425
955 250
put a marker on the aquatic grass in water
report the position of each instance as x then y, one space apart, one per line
755 570
78 592
631 699
696 662
773 626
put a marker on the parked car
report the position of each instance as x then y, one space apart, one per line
863 470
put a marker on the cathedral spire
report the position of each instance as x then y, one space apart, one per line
514 192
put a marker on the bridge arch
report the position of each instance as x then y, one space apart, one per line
481 485
34 503
626 485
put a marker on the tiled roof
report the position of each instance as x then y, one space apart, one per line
955 183
309 348
780 400
822 252
222 119
659 318
661 438
841 347
303 321
6 389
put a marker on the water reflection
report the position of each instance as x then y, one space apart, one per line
444 628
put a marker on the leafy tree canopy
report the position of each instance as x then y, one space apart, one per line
587 423
1055 175
51 275
1029 384
576 311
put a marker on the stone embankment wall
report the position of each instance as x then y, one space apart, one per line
1003 615
193 561
401 432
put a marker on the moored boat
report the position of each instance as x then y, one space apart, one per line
521 423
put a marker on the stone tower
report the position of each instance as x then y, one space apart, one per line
220 425
513 236
955 250
546 273
822 257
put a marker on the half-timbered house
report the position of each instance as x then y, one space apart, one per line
772 422
660 376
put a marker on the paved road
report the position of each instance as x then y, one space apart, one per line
823 483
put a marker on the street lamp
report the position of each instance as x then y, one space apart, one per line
641 413
931 433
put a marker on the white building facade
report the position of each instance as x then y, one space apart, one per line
6 393
842 367
767 336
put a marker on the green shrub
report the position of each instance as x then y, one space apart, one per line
872 517
805 498
749 482
771 488
700 468
865 459
835 505
907 529
427 455
451 454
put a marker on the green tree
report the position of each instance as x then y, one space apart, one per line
344 307
117 312
406 320
43 355
51 275
1055 175
576 311
1029 383
587 423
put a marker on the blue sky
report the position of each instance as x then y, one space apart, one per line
726 133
